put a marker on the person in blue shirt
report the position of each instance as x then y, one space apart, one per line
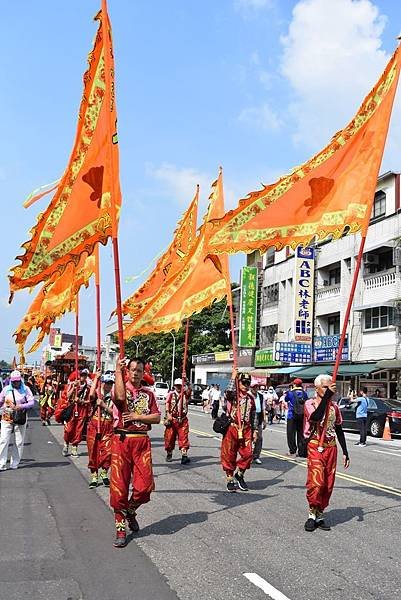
295 399
362 415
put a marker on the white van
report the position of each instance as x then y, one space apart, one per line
161 390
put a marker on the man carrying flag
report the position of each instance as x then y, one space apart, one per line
176 423
135 411
100 430
77 395
238 439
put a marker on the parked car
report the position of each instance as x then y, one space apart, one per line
196 396
378 410
161 390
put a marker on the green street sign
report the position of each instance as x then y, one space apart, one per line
248 304
264 358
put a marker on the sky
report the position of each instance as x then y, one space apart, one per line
256 86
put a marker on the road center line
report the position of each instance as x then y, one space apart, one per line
387 452
264 585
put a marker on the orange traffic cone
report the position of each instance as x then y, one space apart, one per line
387 432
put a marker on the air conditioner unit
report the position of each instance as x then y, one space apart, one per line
371 259
326 283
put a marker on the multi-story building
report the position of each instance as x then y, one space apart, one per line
374 348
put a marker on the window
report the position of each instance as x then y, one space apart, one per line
270 295
334 276
333 325
379 205
268 335
270 252
348 264
379 317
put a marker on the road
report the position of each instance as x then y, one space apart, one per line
196 540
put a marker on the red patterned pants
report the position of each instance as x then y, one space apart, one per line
46 412
231 445
73 429
99 450
131 462
321 475
176 430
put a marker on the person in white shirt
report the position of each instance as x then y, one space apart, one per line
206 399
215 396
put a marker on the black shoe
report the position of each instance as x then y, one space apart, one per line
48 422
169 457
120 540
132 522
322 525
185 459
310 525
241 482
231 487
44 423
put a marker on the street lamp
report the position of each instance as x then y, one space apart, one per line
172 361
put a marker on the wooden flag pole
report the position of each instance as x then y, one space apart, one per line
235 355
343 333
76 353
184 367
98 334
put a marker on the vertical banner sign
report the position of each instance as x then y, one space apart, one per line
304 283
249 297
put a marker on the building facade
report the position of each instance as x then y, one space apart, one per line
373 349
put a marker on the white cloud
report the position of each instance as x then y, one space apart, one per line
332 57
181 181
249 5
260 117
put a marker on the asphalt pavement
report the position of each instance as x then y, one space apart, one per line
197 541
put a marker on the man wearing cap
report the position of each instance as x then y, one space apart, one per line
176 423
77 394
100 430
239 405
295 399
135 411
16 397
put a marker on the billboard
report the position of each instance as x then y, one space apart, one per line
304 283
248 305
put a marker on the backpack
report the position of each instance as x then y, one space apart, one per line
299 397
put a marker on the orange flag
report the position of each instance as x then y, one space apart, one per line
84 209
52 301
170 263
200 281
332 191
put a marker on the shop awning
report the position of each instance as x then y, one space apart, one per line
284 370
392 363
344 370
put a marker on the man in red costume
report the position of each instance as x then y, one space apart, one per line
322 416
77 394
135 411
176 422
100 430
239 436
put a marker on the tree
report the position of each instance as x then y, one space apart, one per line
4 366
209 332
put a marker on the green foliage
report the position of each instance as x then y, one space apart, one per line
207 333
4 365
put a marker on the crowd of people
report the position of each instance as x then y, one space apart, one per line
114 414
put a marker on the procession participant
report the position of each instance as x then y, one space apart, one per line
261 420
135 411
100 430
47 401
238 438
295 398
176 423
322 461
17 398
77 394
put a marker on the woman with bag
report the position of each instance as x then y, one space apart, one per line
16 398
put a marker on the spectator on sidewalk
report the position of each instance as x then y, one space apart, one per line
271 399
206 399
362 415
261 421
16 397
215 396
295 399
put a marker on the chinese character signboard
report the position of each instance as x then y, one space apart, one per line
325 348
293 352
265 358
249 296
304 279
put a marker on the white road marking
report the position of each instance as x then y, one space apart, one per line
387 452
268 589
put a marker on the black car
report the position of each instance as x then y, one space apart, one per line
378 410
196 396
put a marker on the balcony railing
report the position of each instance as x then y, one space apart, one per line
380 280
328 292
